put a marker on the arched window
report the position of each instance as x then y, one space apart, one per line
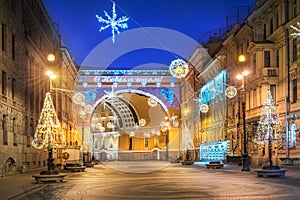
4 128
14 130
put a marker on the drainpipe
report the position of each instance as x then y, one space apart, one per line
287 101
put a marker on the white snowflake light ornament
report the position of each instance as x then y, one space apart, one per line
296 29
113 22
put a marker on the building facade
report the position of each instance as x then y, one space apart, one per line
27 36
272 58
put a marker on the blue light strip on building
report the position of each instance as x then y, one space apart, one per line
213 89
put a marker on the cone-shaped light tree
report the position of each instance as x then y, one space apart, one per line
48 130
187 143
267 125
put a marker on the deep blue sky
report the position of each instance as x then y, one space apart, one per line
195 18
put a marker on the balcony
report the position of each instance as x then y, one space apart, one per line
270 72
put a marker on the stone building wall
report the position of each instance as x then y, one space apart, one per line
27 36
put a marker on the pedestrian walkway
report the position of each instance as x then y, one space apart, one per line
13 185
112 173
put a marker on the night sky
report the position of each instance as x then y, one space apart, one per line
194 18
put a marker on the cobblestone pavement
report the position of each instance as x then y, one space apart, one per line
154 180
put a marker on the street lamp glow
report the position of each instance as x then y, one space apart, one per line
51 75
239 76
245 73
242 58
51 57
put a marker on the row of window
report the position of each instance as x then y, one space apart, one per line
4 41
5 130
4 83
275 21
267 57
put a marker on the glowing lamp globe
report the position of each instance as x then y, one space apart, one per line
242 58
51 57
131 134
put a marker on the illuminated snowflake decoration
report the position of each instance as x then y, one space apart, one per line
142 122
179 68
231 92
204 108
78 98
297 29
113 22
152 102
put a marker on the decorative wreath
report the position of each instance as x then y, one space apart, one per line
66 155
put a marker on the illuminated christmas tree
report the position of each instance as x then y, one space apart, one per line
187 144
267 125
47 130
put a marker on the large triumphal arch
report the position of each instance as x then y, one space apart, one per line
128 114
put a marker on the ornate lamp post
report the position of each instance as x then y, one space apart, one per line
165 127
86 109
47 126
242 78
94 123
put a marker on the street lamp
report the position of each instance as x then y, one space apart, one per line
94 127
242 78
52 76
86 109
164 128
47 125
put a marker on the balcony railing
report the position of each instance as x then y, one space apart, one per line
270 72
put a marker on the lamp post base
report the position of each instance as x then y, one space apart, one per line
187 160
246 163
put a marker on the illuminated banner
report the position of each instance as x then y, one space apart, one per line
124 79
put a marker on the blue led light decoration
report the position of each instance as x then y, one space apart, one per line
113 22
168 95
213 91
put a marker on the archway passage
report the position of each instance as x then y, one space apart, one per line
10 166
128 111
